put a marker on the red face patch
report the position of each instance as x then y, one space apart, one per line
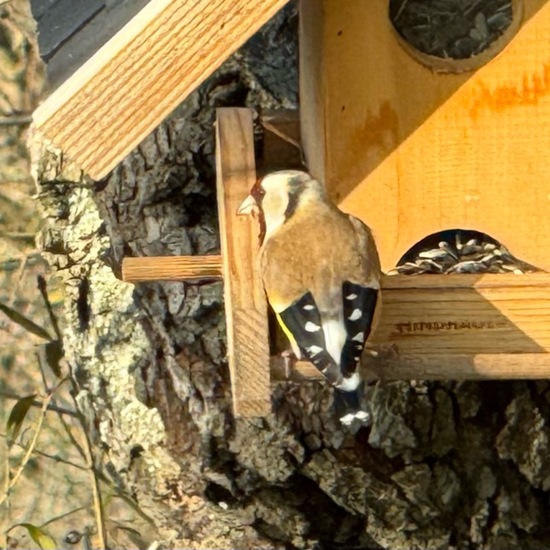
258 191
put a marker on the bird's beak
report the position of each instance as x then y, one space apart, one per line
247 206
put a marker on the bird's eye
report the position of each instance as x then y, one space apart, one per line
258 192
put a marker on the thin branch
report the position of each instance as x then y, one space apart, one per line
98 504
18 278
87 455
41 360
15 120
13 182
71 436
63 516
18 236
11 264
55 458
42 287
30 448
37 403
6 489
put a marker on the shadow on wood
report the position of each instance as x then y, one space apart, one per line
413 152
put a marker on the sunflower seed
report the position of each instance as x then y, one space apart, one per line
436 253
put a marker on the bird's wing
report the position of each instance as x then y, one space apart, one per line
361 298
360 303
369 271
301 321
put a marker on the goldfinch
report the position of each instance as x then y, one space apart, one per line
321 273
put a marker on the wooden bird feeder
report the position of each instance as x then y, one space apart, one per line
410 144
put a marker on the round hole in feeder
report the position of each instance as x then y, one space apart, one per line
460 251
455 36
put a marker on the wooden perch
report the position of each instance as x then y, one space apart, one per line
171 268
133 82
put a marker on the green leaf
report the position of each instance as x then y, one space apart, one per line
17 416
25 322
54 354
40 536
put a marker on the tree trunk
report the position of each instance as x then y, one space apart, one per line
443 465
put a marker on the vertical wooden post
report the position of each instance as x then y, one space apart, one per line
312 86
245 303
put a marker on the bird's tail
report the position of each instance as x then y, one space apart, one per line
349 408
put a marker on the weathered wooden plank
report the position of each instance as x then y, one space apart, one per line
245 303
133 82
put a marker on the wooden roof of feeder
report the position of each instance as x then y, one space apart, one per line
139 76
466 149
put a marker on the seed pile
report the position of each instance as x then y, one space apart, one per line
454 29
464 255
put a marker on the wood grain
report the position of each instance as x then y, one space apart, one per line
245 302
456 327
411 151
388 367
449 315
171 268
484 366
133 82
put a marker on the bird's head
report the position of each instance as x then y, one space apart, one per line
276 196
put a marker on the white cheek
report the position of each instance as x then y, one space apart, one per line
274 208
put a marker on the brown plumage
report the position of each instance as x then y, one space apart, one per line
321 273
317 248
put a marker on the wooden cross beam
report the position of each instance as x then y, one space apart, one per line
113 101
478 341
459 327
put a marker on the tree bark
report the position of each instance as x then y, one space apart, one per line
443 465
